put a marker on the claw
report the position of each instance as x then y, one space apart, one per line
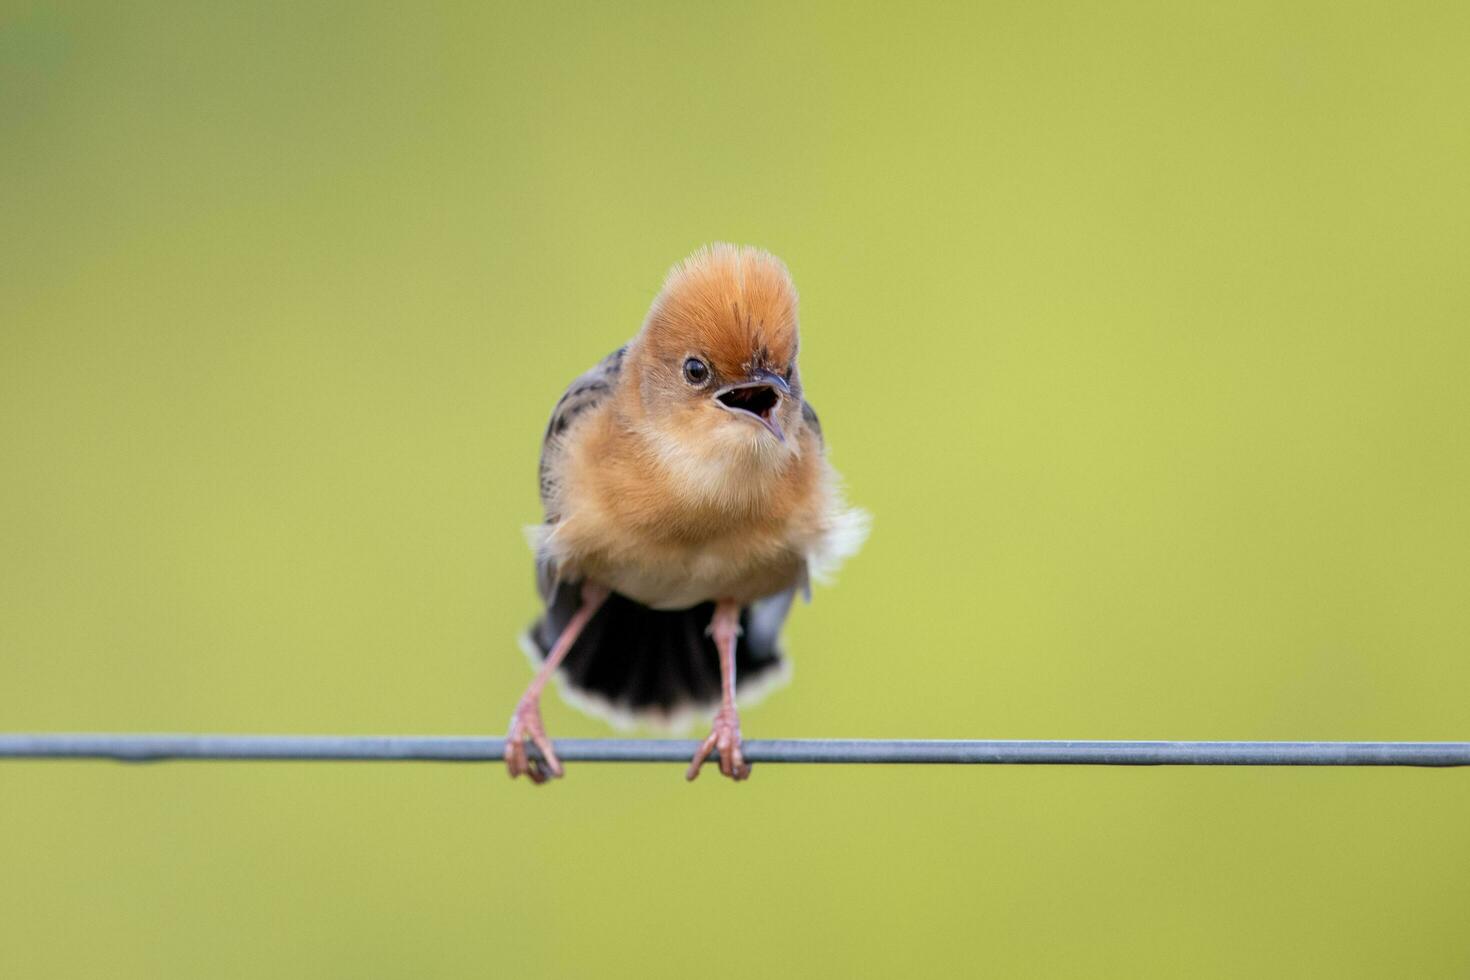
548 754
526 724
700 754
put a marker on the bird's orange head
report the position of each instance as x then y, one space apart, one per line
715 363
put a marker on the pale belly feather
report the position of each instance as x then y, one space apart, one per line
665 576
704 576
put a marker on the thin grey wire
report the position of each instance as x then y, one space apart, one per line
438 748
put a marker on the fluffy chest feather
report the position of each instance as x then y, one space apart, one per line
670 526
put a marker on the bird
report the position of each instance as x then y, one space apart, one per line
688 500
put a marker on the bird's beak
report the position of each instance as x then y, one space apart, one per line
756 398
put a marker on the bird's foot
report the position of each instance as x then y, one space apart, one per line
526 724
724 737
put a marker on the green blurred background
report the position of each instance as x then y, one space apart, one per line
1141 330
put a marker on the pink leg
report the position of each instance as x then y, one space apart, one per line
725 732
525 722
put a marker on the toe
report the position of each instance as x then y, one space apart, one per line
701 754
549 761
738 764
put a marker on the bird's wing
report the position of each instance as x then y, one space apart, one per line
809 414
804 584
588 391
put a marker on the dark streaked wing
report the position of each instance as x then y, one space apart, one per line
809 414
588 391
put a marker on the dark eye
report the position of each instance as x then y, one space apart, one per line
696 372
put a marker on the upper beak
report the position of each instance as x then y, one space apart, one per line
757 398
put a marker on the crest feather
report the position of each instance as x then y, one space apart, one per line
736 304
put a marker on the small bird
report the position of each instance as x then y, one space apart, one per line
687 500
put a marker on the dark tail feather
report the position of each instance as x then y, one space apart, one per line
657 665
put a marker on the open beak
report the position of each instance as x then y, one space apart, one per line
756 398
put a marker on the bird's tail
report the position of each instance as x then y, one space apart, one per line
632 664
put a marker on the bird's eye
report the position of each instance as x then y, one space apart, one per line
696 372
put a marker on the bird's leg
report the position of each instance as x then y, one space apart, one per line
526 721
724 735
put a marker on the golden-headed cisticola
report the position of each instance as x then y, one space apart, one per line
687 499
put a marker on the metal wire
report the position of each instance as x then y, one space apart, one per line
425 748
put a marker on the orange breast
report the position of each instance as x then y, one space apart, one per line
671 535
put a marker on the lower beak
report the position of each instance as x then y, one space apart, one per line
757 399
